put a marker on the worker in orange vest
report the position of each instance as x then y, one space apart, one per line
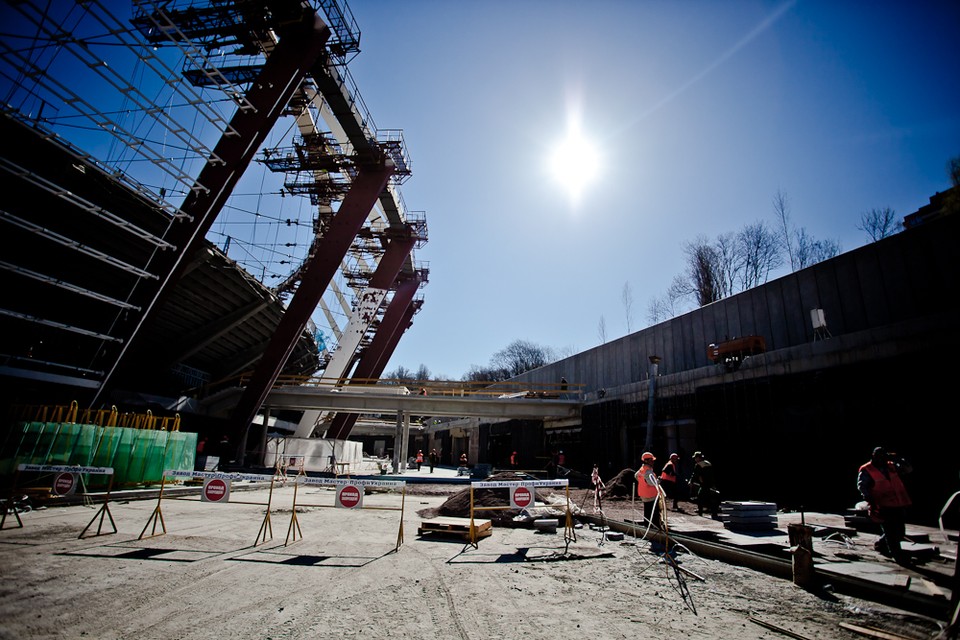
648 487
880 485
419 459
668 478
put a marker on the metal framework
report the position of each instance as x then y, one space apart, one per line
179 115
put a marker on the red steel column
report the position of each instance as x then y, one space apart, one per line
392 261
346 223
299 47
396 321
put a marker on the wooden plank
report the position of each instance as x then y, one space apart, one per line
463 535
872 632
930 588
454 524
784 631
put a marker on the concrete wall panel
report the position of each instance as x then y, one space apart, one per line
852 314
873 288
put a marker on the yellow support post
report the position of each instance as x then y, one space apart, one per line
266 525
473 528
294 523
104 511
403 501
10 506
569 533
157 515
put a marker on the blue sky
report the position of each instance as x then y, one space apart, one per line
699 111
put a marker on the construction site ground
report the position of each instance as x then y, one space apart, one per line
226 571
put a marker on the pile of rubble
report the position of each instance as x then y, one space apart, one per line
496 504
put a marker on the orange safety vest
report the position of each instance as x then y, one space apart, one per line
645 491
887 492
669 473
420 457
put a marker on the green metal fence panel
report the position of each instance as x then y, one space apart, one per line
108 444
64 444
124 455
156 449
37 441
137 456
181 451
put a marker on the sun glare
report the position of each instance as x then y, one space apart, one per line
575 164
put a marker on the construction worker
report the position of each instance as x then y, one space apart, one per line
880 485
598 488
703 486
668 478
648 487
419 458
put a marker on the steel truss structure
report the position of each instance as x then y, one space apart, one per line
131 137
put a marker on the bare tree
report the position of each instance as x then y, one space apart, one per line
423 373
759 254
811 251
520 356
952 202
702 272
602 330
727 264
627 297
399 375
657 310
781 211
879 223
801 248
485 374
669 304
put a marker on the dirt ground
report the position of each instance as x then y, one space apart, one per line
341 577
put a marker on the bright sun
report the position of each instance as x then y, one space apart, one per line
575 163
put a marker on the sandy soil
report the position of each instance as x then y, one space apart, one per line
341 578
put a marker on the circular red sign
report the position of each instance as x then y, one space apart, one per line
215 490
522 497
350 496
63 484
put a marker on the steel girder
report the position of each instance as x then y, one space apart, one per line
300 46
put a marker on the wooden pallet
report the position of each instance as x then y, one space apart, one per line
459 527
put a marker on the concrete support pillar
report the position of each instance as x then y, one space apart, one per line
406 439
397 440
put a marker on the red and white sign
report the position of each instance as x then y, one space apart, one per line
215 490
521 496
350 497
64 484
